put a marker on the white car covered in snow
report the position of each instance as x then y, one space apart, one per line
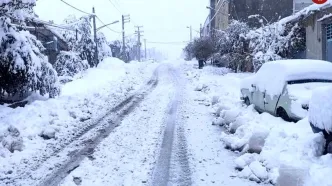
283 88
320 114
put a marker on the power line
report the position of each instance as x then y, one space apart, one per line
115 6
75 8
108 26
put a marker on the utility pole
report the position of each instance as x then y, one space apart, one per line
139 35
145 48
125 19
191 33
95 35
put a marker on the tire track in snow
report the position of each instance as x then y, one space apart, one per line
172 167
81 145
124 109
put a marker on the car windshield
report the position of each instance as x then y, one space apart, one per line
302 81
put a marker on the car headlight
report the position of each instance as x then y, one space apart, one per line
305 106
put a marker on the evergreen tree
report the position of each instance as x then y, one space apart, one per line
23 68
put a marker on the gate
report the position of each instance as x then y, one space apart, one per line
329 42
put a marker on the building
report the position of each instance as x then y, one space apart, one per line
222 11
318 26
222 14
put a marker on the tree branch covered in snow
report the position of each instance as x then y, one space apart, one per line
17 9
83 44
241 48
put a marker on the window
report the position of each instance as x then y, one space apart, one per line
329 32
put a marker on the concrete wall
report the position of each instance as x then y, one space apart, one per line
314 38
300 4
316 35
222 17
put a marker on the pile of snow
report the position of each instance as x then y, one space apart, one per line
320 112
46 122
270 149
273 75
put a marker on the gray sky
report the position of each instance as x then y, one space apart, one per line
163 20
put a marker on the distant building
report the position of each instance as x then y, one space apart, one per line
222 11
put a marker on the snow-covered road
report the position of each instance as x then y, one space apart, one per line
167 139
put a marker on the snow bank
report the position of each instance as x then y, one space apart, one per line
271 150
320 108
273 75
44 123
109 70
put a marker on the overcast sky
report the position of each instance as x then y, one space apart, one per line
163 20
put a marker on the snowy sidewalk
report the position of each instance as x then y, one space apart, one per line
210 163
282 153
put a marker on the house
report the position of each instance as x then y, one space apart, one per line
318 24
50 38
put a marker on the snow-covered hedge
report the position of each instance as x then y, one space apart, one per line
68 64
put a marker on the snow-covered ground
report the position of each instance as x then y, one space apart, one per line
210 163
175 117
267 148
82 102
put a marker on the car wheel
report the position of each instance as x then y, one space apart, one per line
328 148
247 101
283 114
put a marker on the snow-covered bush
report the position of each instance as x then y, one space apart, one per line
69 64
104 50
232 47
200 48
23 68
84 44
274 42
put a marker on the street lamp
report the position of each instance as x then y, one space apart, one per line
208 7
107 25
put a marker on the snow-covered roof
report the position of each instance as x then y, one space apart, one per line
306 12
325 17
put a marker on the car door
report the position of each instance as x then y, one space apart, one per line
270 102
258 98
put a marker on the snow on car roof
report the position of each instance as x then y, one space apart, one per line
298 69
272 76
